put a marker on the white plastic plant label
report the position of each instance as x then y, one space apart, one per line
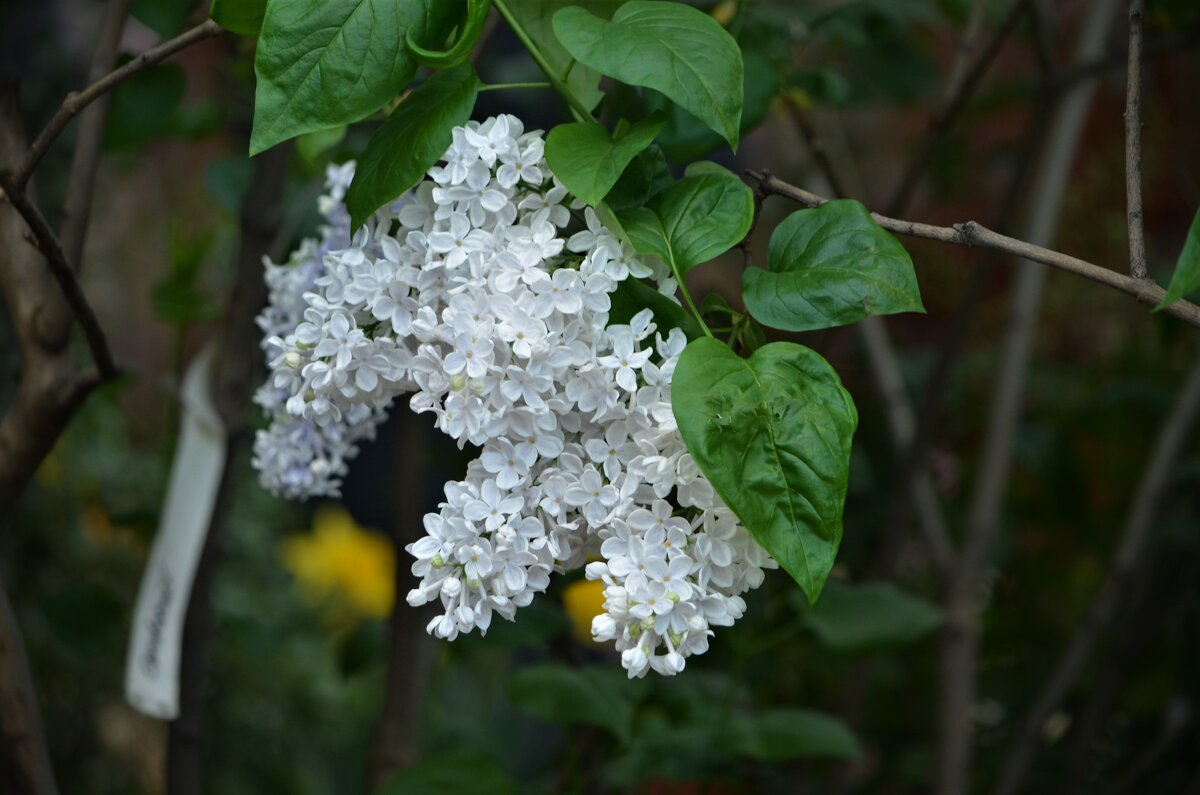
152 667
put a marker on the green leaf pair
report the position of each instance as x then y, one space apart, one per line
694 220
669 47
322 63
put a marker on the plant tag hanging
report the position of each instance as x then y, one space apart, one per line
152 666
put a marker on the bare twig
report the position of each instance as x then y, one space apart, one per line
971 233
236 365
1133 145
24 762
1172 440
77 101
966 599
41 323
77 208
47 243
1153 47
959 90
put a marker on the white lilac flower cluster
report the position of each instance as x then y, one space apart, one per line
469 292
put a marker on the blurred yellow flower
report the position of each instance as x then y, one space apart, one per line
339 559
583 600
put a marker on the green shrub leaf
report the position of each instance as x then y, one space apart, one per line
597 696
772 433
536 16
474 773
1187 271
673 48
859 618
777 735
587 159
697 218
244 17
412 139
321 63
830 266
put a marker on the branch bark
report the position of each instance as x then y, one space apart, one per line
1172 438
971 233
1133 145
77 209
41 322
959 649
237 363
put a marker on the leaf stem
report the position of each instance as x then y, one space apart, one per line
501 86
687 298
540 59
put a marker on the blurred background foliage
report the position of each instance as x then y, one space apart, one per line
835 698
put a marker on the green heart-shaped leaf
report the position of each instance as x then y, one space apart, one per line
411 141
772 433
673 48
830 266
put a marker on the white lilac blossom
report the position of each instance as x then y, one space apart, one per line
470 293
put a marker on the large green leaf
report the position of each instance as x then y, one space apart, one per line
536 17
597 696
643 179
830 266
474 773
321 63
411 141
772 433
244 17
780 734
1187 270
673 48
588 161
634 295
858 618
697 218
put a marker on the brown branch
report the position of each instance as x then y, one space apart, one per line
1133 145
1155 47
77 101
971 233
959 91
1172 440
235 368
77 208
24 762
47 243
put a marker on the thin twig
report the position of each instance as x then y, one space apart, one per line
76 101
1133 145
1154 47
958 94
1172 440
47 243
972 233
77 207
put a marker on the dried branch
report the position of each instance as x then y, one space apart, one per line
961 87
24 761
1133 145
77 101
77 208
972 233
1172 440
47 243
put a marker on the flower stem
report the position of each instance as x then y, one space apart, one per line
501 86
540 59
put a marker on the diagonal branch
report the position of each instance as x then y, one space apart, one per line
959 90
1133 145
971 233
77 207
47 243
1172 440
77 101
